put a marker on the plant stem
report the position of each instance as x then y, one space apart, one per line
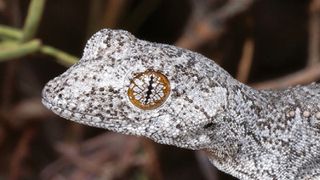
10 32
33 19
61 57
16 50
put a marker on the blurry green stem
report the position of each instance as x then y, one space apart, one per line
62 57
16 50
33 19
13 49
10 32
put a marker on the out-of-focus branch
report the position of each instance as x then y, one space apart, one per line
305 76
311 73
60 56
105 14
108 156
210 26
153 164
114 10
10 32
33 19
21 152
29 110
209 172
13 49
314 32
139 15
18 43
2 5
245 61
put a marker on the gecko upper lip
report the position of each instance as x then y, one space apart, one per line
46 103
51 106
56 108
86 119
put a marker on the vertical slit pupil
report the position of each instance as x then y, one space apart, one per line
149 90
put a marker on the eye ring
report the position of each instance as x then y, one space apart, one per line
148 90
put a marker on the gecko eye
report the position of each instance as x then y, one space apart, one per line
148 90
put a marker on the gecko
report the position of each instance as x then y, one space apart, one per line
178 97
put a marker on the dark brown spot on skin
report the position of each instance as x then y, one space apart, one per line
178 126
111 89
209 125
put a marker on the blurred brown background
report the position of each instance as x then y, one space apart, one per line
264 43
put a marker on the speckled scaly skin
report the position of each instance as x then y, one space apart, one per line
247 133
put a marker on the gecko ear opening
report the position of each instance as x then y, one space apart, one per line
107 41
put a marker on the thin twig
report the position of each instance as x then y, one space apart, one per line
140 14
9 32
314 32
26 111
8 85
108 156
305 76
210 26
210 172
153 163
3 135
17 50
114 10
61 57
21 152
71 153
245 61
33 19
2 5
12 49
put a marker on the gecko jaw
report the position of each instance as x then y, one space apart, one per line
102 122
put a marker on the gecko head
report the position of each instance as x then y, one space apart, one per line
171 95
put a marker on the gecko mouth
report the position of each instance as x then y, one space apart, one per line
98 121
86 119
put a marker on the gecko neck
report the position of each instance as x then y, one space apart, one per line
260 126
245 105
